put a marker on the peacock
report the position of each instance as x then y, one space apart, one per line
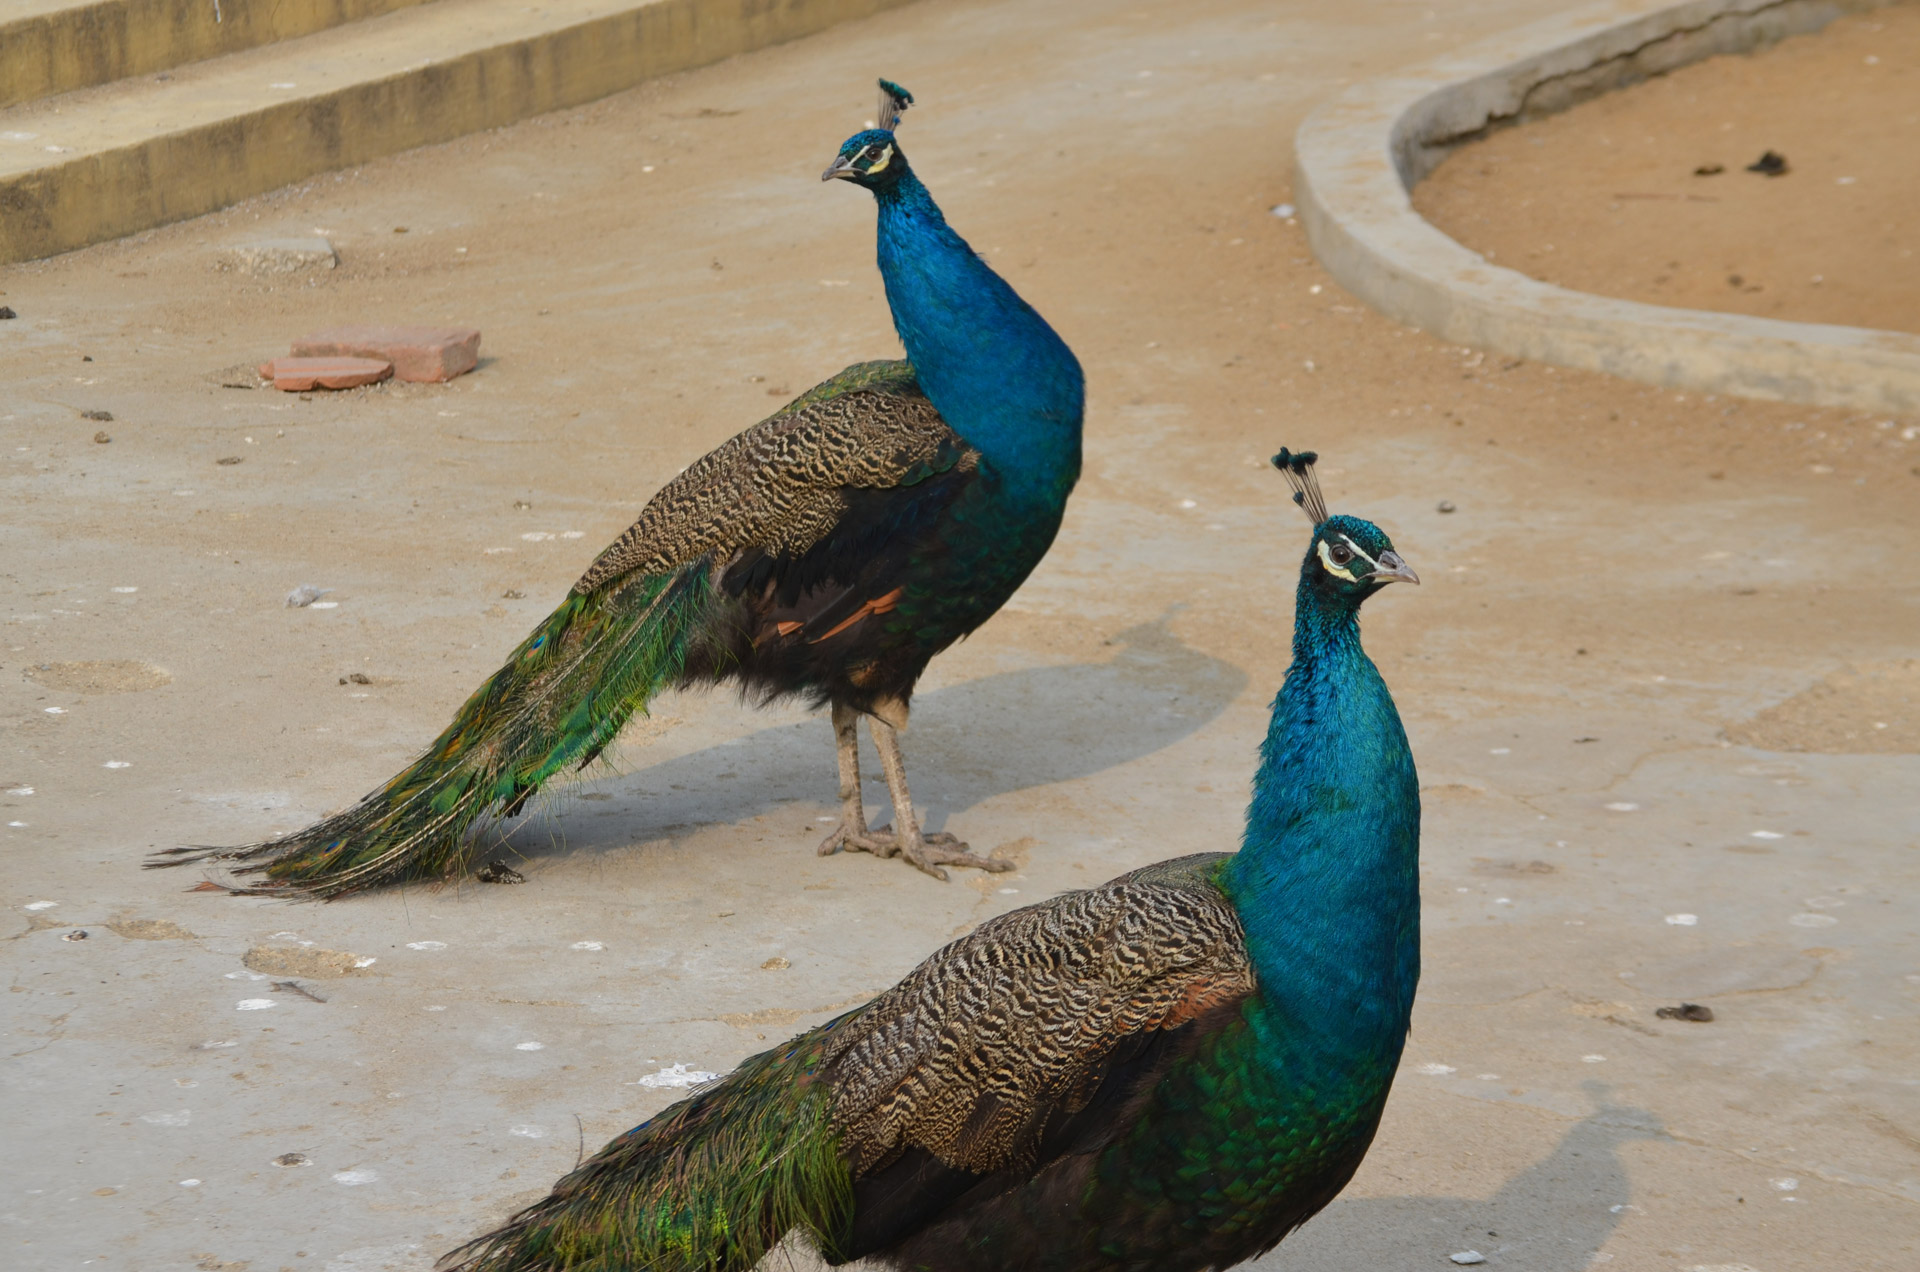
1167 1072
829 552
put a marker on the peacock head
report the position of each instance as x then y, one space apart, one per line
872 158
1349 559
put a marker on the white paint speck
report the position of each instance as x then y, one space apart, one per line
537 536
325 605
1683 920
677 1076
1593 1059
1188 503
589 945
1786 1184
245 976
116 764
1487 1077
1622 806
1813 920
180 1118
1766 834
126 591
1009 892
1503 900
282 84
426 945
56 711
433 1009
41 905
573 534
1468 1256
529 1046
365 962
528 1132
18 825
254 1004
352 1178
1501 750
1436 1070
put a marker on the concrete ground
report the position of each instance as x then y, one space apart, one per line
1643 681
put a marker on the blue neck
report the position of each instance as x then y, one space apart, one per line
1327 880
992 366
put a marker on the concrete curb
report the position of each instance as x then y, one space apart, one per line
1357 158
196 164
83 44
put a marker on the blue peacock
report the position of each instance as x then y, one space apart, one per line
1166 1073
828 552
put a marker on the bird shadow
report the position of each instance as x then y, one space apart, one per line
968 743
1551 1217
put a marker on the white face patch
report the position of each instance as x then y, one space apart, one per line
1341 572
1338 571
880 164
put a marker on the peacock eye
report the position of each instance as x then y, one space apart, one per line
1340 553
870 154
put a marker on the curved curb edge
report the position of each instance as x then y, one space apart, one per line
1357 157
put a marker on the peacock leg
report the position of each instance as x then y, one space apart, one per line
852 831
926 852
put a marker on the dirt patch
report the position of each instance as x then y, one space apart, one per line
1604 198
150 930
1870 710
108 676
284 960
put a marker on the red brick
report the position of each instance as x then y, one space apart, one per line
422 354
297 375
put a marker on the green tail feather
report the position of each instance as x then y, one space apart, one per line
710 1185
564 694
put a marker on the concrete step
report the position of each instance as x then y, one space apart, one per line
101 162
56 46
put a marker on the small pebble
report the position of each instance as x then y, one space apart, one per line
1468 1256
1446 505
293 1159
1283 210
101 437
78 934
305 595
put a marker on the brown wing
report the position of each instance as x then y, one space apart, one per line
782 485
972 1054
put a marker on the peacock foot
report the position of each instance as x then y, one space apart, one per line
941 849
933 849
852 835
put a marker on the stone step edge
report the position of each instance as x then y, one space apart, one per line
84 45
1357 158
173 176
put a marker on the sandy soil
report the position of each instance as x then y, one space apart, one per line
1627 575
1644 193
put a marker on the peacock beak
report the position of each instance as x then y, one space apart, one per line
1393 570
842 167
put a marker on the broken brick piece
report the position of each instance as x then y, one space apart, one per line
420 354
297 375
